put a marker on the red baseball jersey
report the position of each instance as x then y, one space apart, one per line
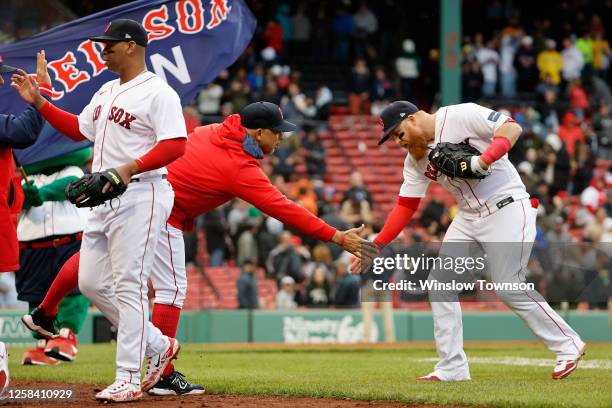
215 168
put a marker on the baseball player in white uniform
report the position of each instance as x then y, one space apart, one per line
492 210
137 127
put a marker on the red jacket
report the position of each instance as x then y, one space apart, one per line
215 168
11 201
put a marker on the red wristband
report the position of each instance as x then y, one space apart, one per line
496 150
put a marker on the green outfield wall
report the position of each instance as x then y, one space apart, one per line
321 326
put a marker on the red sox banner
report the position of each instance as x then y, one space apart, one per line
190 42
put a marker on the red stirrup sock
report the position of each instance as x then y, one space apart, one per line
65 282
166 319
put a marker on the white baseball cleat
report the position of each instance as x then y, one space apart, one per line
4 371
564 368
120 391
157 364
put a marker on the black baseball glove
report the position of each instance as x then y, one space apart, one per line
87 191
455 160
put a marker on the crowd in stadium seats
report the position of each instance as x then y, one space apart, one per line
551 74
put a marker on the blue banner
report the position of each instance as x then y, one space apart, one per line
190 42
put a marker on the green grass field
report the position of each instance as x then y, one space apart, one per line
504 376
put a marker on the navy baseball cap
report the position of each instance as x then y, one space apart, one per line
124 29
393 115
5 69
265 115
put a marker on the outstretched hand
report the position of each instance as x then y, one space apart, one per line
42 73
352 242
26 87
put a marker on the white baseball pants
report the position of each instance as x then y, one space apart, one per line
169 276
506 236
117 255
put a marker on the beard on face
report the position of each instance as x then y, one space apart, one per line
417 146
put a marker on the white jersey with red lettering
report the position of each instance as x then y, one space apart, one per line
125 121
475 125
493 210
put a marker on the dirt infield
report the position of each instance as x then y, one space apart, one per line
85 398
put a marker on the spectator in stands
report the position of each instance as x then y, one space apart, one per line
572 61
602 125
346 294
554 164
274 36
248 296
471 81
597 89
407 69
366 26
571 133
209 99
549 108
547 85
301 28
322 33
488 58
343 29
271 92
550 62
216 230
239 214
585 46
286 296
381 91
317 293
594 196
356 184
525 65
297 105
432 217
314 154
356 210
238 95
283 18
285 260
304 194
256 79
579 101
359 88
246 246
285 155
507 50
602 55
323 100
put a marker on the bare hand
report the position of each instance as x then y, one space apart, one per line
353 243
26 86
42 73
1 80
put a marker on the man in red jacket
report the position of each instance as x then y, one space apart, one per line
221 162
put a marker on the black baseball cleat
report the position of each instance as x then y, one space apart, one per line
175 384
38 322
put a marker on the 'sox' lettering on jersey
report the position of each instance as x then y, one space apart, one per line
120 116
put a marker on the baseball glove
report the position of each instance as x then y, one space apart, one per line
87 191
454 160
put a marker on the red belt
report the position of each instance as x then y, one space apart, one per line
51 243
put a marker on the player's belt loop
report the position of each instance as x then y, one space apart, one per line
502 203
138 179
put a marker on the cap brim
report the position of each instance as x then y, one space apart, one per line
105 38
5 69
285 127
387 134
